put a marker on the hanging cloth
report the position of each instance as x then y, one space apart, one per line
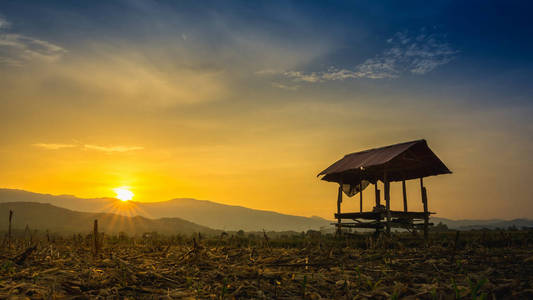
352 189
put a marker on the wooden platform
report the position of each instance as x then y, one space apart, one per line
371 215
374 220
376 225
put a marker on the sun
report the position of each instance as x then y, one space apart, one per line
123 194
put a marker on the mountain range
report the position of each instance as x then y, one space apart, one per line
481 224
207 214
44 216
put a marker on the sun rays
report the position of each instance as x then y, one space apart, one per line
123 194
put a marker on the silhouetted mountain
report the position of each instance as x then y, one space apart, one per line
65 201
229 217
206 213
43 216
216 215
479 224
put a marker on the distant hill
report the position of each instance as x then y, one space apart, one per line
480 224
229 217
218 216
43 216
65 201
206 213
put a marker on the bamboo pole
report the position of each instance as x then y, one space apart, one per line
378 196
425 203
361 195
95 235
378 204
387 201
9 229
339 201
404 190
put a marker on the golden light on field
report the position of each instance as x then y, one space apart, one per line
123 194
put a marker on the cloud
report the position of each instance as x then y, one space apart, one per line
17 49
301 76
418 54
267 72
285 87
4 23
110 149
53 146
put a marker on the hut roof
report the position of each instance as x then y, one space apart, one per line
402 161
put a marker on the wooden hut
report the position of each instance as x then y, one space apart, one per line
395 163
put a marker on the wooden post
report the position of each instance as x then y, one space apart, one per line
9 229
339 201
95 234
378 204
404 196
27 236
361 195
387 201
426 212
378 196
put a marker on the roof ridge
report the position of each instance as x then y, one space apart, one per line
385 147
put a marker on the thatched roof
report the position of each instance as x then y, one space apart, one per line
401 162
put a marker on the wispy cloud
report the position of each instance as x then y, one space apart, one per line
17 49
111 149
108 149
285 86
418 53
3 23
302 76
53 146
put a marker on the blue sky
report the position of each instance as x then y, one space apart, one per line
296 83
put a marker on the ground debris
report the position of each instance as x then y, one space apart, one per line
323 269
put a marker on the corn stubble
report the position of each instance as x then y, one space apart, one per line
476 265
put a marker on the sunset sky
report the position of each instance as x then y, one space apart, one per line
245 102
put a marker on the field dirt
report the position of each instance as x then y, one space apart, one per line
493 265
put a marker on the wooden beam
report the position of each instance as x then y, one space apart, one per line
404 196
378 204
9 230
425 203
370 215
378 196
339 201
361 195
387 200
95 235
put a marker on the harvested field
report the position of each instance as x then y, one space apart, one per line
473 265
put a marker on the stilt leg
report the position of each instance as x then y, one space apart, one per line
426 212
387 203
378 204
339 201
